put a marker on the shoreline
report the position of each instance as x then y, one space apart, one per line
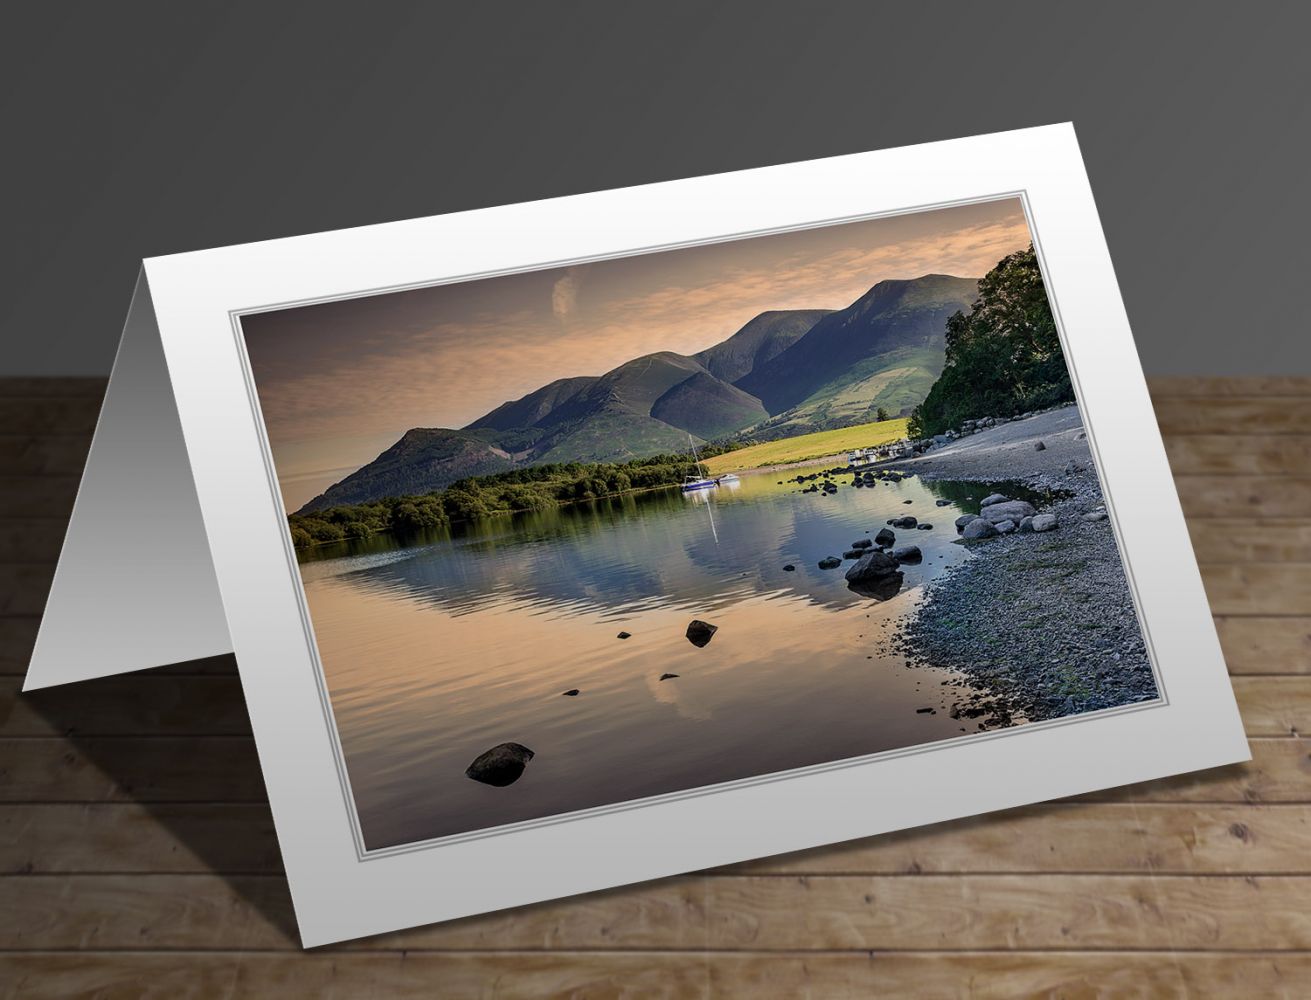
1044 622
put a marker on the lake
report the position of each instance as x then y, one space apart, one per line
436 651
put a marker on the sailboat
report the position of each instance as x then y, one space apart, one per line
699 481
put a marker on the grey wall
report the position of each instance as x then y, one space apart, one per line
137 129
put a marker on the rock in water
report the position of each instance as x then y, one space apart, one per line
871 566
853 553
668 677
501 765
861 543
909 521
830 562
943 503
789 568
980 527
1044 522
625 635
924 526
965 519
884 538
1008 510
908 501
1039 446
993 498
907 554
571 693
699 633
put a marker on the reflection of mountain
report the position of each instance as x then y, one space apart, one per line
783 373
629 554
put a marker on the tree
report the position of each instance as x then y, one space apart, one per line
881 415
1004 357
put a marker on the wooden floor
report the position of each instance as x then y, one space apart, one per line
138 856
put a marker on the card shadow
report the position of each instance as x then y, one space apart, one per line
176 741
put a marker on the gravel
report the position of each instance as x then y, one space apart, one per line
1042 623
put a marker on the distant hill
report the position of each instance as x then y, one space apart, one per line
421 457
761 340
837 350
785 372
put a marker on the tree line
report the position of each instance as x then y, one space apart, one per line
1003 358
538 487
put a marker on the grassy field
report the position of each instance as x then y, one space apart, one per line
807 446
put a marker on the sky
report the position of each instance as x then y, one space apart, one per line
340 382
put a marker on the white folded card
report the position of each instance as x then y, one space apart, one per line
576 543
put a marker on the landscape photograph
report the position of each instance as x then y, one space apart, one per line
578 537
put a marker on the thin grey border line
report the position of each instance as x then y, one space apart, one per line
362 852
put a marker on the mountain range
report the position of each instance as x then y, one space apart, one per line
785 372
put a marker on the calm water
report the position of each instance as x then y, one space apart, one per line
438 651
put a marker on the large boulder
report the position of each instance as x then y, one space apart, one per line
1007 510
993 498
699 633
501 765
885 537
965 519
1044 522
1005 527
907 554
872 565
980 527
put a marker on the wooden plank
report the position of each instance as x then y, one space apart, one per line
31 540
38 496
1258 588
205 975
1226 541
1110 837
1246 415
20 386
1164 386
1266 645
131 769
24 587
129 705
789 913
254 912
1274 706
1240 454
199 975
225 769
1245 497
1009 974
48 415
1182 838
43 455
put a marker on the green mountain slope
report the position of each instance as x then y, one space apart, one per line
423 457
708 407
528 410
760 341
836 351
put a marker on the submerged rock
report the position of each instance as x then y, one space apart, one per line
502 765
880 588
830 562
924 526
871 566
699 633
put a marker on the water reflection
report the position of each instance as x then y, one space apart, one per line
436 651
